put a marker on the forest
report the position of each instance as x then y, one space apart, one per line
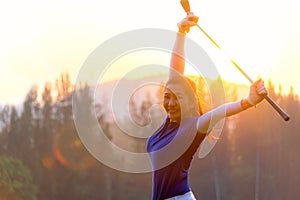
43 157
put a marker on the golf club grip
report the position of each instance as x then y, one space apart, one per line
186 5
280 111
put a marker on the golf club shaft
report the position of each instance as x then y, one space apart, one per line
186 6
214 42
281 112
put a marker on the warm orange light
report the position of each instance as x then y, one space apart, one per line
60 157
47 162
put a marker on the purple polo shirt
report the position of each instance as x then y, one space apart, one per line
170 172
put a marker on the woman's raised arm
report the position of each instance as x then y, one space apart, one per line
208 120
177 62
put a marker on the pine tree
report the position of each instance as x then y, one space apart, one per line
63 103
12 133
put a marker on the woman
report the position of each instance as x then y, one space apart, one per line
172 147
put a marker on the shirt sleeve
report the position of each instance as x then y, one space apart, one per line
208 120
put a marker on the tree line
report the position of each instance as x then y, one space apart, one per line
42 156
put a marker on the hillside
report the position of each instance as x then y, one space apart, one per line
115 95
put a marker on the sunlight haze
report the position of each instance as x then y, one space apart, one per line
40 40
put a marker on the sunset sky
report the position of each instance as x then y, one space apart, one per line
40 40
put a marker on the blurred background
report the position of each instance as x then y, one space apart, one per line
43 46
42 156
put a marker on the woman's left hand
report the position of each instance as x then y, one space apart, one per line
257 92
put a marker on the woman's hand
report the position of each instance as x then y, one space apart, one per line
185 24
257 92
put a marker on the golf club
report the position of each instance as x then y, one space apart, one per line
186 6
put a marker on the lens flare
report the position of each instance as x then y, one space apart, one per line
69 150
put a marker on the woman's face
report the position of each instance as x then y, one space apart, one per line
172 104
180 100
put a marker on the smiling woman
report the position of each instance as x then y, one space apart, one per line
39 40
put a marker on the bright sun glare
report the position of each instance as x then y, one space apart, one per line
37 45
